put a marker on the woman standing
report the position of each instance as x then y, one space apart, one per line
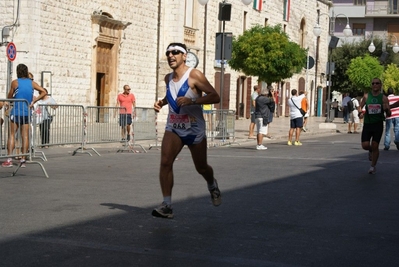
21 88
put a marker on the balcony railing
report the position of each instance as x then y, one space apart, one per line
382 8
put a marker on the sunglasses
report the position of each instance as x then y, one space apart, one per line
375 83
174 52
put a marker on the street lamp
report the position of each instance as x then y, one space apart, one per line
224 14
395 47
333 42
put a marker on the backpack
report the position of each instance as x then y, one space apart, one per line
351 107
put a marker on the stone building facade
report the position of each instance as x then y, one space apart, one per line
83 52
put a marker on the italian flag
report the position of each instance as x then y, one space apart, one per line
258 4
287 6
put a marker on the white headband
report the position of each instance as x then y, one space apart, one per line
177 47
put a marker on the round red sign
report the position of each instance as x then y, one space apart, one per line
11 51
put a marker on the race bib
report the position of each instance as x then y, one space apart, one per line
179 121
374 108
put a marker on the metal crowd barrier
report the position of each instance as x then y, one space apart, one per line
67 127
144 127
93 125
220 127
102 125
23 107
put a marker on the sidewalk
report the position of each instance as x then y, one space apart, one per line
278 129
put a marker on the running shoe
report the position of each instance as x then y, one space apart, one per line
261 147
216 196
297 143
163 211
372 170
7 163
289 143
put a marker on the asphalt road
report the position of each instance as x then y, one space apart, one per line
313 205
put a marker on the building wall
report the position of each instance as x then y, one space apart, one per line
60 36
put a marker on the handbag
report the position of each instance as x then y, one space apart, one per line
300 109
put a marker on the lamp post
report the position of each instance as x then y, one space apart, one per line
395 47
224 14
222 18
333 42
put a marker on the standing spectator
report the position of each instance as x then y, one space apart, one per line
263 105
345 101
46 119
376 104
185 125
393 120
335 106
296 122
272 108
353 115
21 88
127 101
305 107
254 95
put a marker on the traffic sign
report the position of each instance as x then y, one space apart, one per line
11 51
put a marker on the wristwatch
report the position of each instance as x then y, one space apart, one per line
193 101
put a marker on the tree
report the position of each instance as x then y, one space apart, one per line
343 55
362 70
390 78
268 53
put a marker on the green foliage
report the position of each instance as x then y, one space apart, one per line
362 70
390 78
268 53
343 55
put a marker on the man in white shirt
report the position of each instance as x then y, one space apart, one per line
296 122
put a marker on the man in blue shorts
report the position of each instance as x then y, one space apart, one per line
185 89
296 122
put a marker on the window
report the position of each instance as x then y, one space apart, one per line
359 2
358 29
244 21
188 20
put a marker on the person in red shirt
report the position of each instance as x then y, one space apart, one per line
127 101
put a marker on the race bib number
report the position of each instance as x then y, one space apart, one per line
179 121
374 108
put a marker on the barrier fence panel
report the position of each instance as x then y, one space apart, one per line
16 138
102 125
220 127
65 126
144 127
